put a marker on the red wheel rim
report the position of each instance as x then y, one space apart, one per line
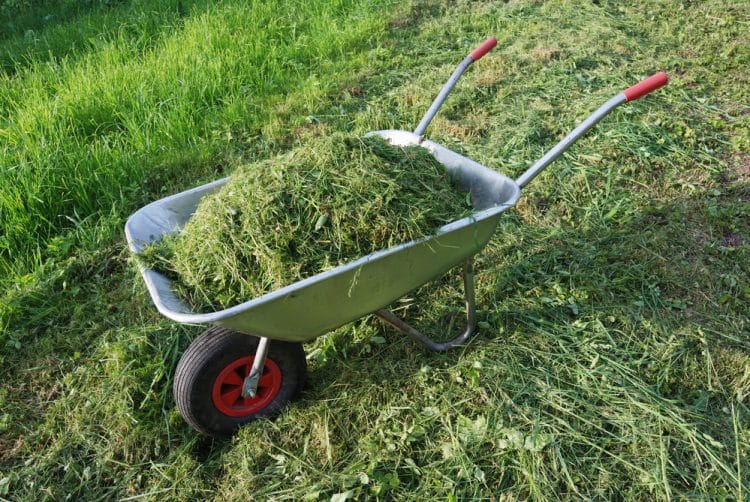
227 389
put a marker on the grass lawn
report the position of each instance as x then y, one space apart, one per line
613 356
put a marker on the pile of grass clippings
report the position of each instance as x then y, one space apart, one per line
280 220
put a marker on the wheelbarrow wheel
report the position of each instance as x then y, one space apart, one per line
208 380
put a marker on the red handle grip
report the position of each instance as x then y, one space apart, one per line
483 49
645 86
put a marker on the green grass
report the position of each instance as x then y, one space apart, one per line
613 357
96 127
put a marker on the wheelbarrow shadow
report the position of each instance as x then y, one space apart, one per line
660 266
656 269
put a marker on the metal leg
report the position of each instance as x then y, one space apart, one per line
250 385
471 321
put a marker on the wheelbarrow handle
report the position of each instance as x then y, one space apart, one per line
646 86
483 49
473 56
640 89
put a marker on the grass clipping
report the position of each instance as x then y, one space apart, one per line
328 202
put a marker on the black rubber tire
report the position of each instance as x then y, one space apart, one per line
208 355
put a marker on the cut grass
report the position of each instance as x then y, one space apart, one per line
330 201
614 346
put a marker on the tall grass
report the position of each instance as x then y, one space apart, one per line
97 127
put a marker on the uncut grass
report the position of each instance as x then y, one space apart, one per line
332 200
615 293
122 97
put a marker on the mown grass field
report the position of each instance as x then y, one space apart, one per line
613 358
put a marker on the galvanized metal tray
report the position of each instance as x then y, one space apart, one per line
311 307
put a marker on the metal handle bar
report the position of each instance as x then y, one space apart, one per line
475 55
630 94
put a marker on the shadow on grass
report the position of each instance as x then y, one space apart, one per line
47 31
672 266
19 17
544 297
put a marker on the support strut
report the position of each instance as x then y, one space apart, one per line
471 321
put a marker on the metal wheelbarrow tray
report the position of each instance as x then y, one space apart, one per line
247 382
311 307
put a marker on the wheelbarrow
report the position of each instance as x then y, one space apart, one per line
251 363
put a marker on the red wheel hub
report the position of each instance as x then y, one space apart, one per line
227 389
